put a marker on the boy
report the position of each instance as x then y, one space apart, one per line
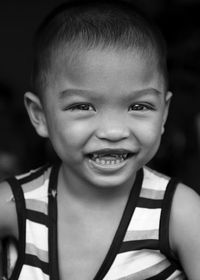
100 94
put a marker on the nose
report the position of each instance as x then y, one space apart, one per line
113 128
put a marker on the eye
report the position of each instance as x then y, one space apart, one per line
141 107
81 107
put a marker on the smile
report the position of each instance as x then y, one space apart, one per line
109 158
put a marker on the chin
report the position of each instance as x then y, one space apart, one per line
112 182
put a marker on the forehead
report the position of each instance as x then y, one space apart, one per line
103 69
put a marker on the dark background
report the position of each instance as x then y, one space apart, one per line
179 20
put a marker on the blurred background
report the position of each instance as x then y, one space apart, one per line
179 154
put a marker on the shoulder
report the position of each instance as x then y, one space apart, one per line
185 211
8 214
12 194
185 228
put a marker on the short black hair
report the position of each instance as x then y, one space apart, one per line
91 24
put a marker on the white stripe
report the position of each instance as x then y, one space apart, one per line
177 275
145 219
32 273
37 205
154 270
37 234
33 250
154 180
132 262
152 194
141 235
39 193
20 176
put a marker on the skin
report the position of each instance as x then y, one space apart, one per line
104 99
184 230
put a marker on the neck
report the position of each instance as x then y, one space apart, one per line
83 191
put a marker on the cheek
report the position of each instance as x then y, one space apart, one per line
149 132
72 134
149 136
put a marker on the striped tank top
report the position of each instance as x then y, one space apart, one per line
140 248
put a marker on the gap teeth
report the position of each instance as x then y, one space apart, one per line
108 159
108 162
124 156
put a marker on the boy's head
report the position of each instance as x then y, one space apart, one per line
100 71
86 25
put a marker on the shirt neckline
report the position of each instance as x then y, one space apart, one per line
119 235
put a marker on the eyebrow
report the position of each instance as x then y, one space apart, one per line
145 91
74 92
88 93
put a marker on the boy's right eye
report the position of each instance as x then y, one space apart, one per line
81 107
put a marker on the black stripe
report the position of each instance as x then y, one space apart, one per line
36 262
195 188
149 203
122 228
139 245
52 209
37 217
34 175
5 262
20 207
164 274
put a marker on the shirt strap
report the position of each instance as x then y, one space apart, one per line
18 198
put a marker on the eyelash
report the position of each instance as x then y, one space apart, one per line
142 107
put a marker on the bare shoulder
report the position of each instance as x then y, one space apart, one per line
185 229
8 215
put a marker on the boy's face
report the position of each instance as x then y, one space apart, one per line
105 113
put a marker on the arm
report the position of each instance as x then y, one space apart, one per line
8 215
185 230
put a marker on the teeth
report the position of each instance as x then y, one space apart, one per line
95 156
108 161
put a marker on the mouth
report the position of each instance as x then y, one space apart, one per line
110 157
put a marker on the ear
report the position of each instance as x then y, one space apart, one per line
36 113
168 98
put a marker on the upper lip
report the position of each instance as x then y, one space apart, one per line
111 151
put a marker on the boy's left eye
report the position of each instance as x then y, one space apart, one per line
81 107
141 107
